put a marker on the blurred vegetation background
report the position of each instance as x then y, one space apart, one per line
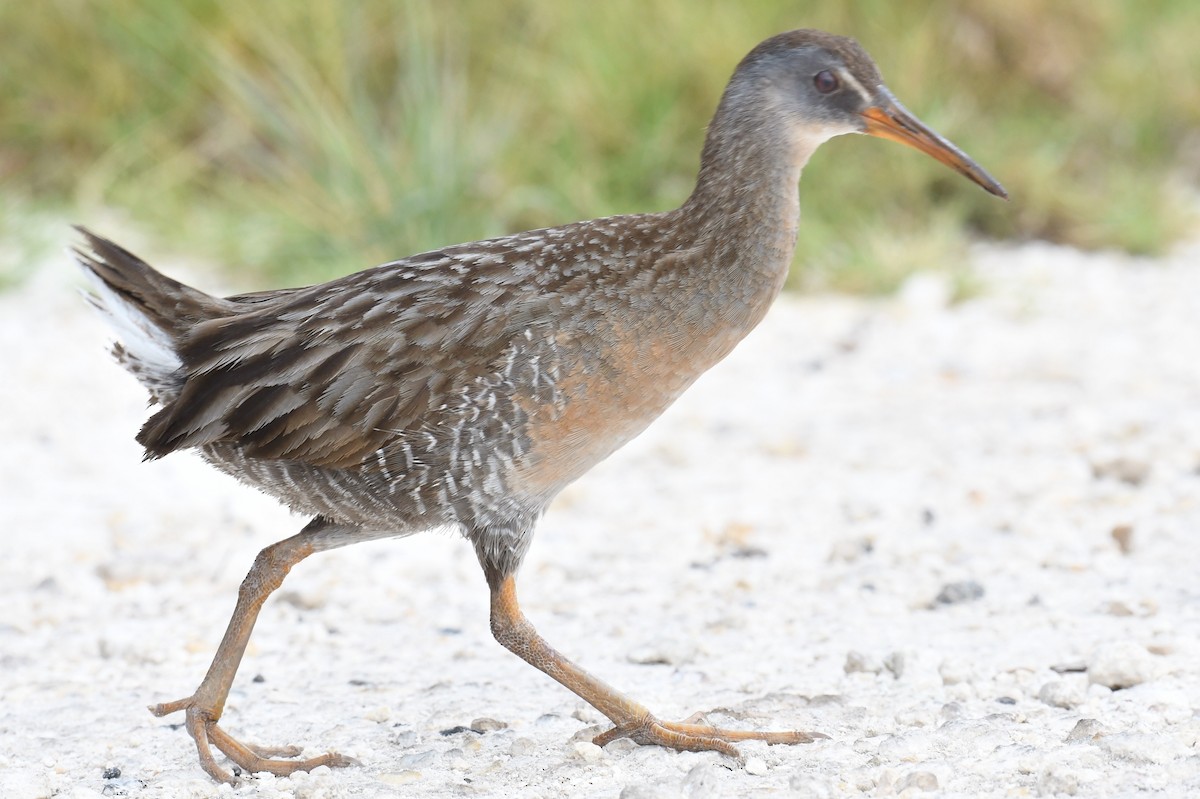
293 141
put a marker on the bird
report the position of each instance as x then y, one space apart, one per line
465 387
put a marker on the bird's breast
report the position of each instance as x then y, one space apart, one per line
611 383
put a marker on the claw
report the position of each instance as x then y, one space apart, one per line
167 708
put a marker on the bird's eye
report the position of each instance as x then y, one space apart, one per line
825 81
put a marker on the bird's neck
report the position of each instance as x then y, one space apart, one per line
745 208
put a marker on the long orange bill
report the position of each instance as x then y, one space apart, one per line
890 120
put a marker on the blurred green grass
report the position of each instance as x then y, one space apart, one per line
294 141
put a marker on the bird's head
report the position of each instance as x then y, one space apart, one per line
827 85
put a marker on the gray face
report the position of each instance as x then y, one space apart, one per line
818 90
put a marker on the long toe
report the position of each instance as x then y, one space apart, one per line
274 751
253 759
772 737
694 737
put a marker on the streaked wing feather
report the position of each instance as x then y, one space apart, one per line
330 374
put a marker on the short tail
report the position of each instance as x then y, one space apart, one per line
149 312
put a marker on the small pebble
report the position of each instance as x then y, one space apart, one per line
859 663
1116 607
1126 470
622 746
959 592
487 725
111 773
1086 730
955 671
952 711
849 550
1120 665
896 663
588 733
756 766
920 780
918 716
1061 779
1062 693
400 777
1122 534
522 746
378 714
418 760
587 752
587 714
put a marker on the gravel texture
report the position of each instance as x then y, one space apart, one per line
962 540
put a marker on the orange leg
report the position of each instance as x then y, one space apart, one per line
515 633
204 707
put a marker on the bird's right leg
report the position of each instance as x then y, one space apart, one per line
203 708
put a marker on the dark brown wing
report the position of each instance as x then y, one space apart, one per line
330 374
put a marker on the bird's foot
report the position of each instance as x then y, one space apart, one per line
695 736
202 726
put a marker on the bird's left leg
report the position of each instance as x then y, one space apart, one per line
630 719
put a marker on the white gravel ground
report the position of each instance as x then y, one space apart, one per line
961 540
